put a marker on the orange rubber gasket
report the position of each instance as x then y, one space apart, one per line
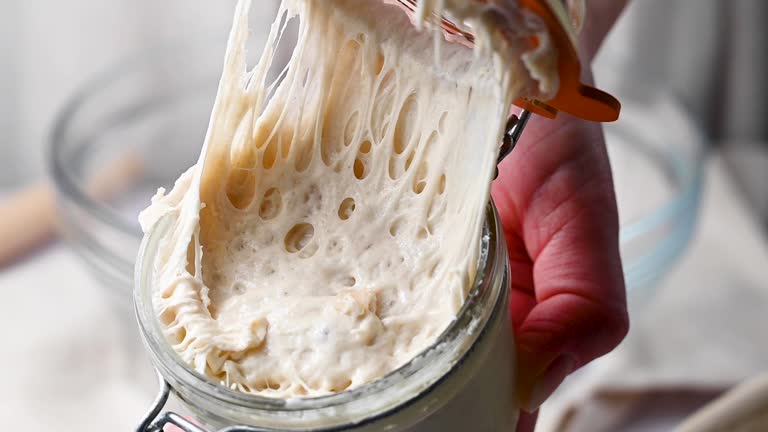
573 96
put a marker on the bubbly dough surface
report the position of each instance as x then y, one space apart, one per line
330 230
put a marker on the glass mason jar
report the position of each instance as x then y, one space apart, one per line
464 381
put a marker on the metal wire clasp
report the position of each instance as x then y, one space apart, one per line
514 129
155 422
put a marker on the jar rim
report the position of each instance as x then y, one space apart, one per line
474 314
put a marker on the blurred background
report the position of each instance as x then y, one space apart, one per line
102 102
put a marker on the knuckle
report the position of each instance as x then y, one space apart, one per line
618 327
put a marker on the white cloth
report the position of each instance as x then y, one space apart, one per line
66 360
702 332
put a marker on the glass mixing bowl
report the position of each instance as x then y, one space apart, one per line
657 154
126 133
141 124
135 128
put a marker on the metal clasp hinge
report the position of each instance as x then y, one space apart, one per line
154 421
514 129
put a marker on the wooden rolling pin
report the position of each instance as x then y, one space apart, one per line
28 218
27 221
743 409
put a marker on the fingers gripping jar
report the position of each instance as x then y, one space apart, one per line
462 382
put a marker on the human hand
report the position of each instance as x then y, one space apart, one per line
556 201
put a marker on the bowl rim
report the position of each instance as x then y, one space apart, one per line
64 181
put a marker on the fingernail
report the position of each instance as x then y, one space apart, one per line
548 381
